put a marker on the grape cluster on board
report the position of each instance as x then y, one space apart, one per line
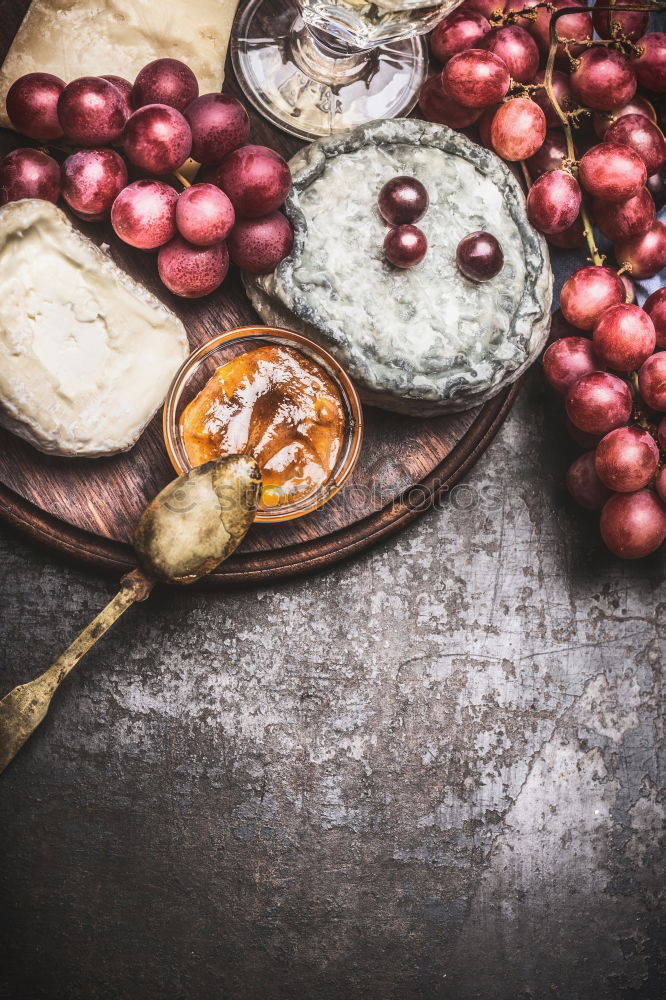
607 355
158 123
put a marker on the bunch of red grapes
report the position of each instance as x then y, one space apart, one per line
607 355
609 362
158 122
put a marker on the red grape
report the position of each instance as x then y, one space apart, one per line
516 48
484 126
125 88
603 80
567 359
219 125
518 129
581 437
457 31
652 381
165 81
488 7
403 200
29 173
584 484
405 246
92 111
518 5
655 307
550 154
660 483
660 109
553 202
624 337
586 294
650 65
629 290
657 187
646 254
563 94
621 220
626 459
598 403
258 245
476 78
633 525
144 214
661 434
256 179
632 23
612 171
571 238
157 139
602 120
479 256
644 138
576 26
190 271
560 327
32 105
436 106
204 215
92 179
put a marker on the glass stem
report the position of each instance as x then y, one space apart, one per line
321 58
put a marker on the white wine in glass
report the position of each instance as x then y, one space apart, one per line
318 67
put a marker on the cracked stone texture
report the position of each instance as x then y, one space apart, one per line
433 772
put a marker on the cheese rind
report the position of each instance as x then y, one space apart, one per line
72 38
86 353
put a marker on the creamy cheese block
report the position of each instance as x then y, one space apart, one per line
86 353
422 340
72 38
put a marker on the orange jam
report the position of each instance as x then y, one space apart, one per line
275 404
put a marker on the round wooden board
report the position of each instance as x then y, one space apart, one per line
87 509
350 523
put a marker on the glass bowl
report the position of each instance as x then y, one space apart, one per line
195 372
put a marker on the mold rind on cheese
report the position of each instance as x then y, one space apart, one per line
423 340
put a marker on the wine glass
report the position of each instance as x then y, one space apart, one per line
317 67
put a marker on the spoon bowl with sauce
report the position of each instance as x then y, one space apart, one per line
277 396
195 523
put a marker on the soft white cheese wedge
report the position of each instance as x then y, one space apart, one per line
86 353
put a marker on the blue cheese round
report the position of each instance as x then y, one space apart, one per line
423 340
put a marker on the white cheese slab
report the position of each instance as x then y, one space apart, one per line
86 354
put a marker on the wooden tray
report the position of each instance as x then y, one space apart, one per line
87 508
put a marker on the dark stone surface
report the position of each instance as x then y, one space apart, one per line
430 773
435 773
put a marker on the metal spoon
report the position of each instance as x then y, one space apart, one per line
194 524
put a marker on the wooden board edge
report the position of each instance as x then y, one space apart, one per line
251 569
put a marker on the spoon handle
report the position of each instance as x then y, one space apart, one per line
22 710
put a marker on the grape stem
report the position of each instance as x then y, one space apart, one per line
596 257
181 180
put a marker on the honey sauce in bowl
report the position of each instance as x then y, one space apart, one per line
278 406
